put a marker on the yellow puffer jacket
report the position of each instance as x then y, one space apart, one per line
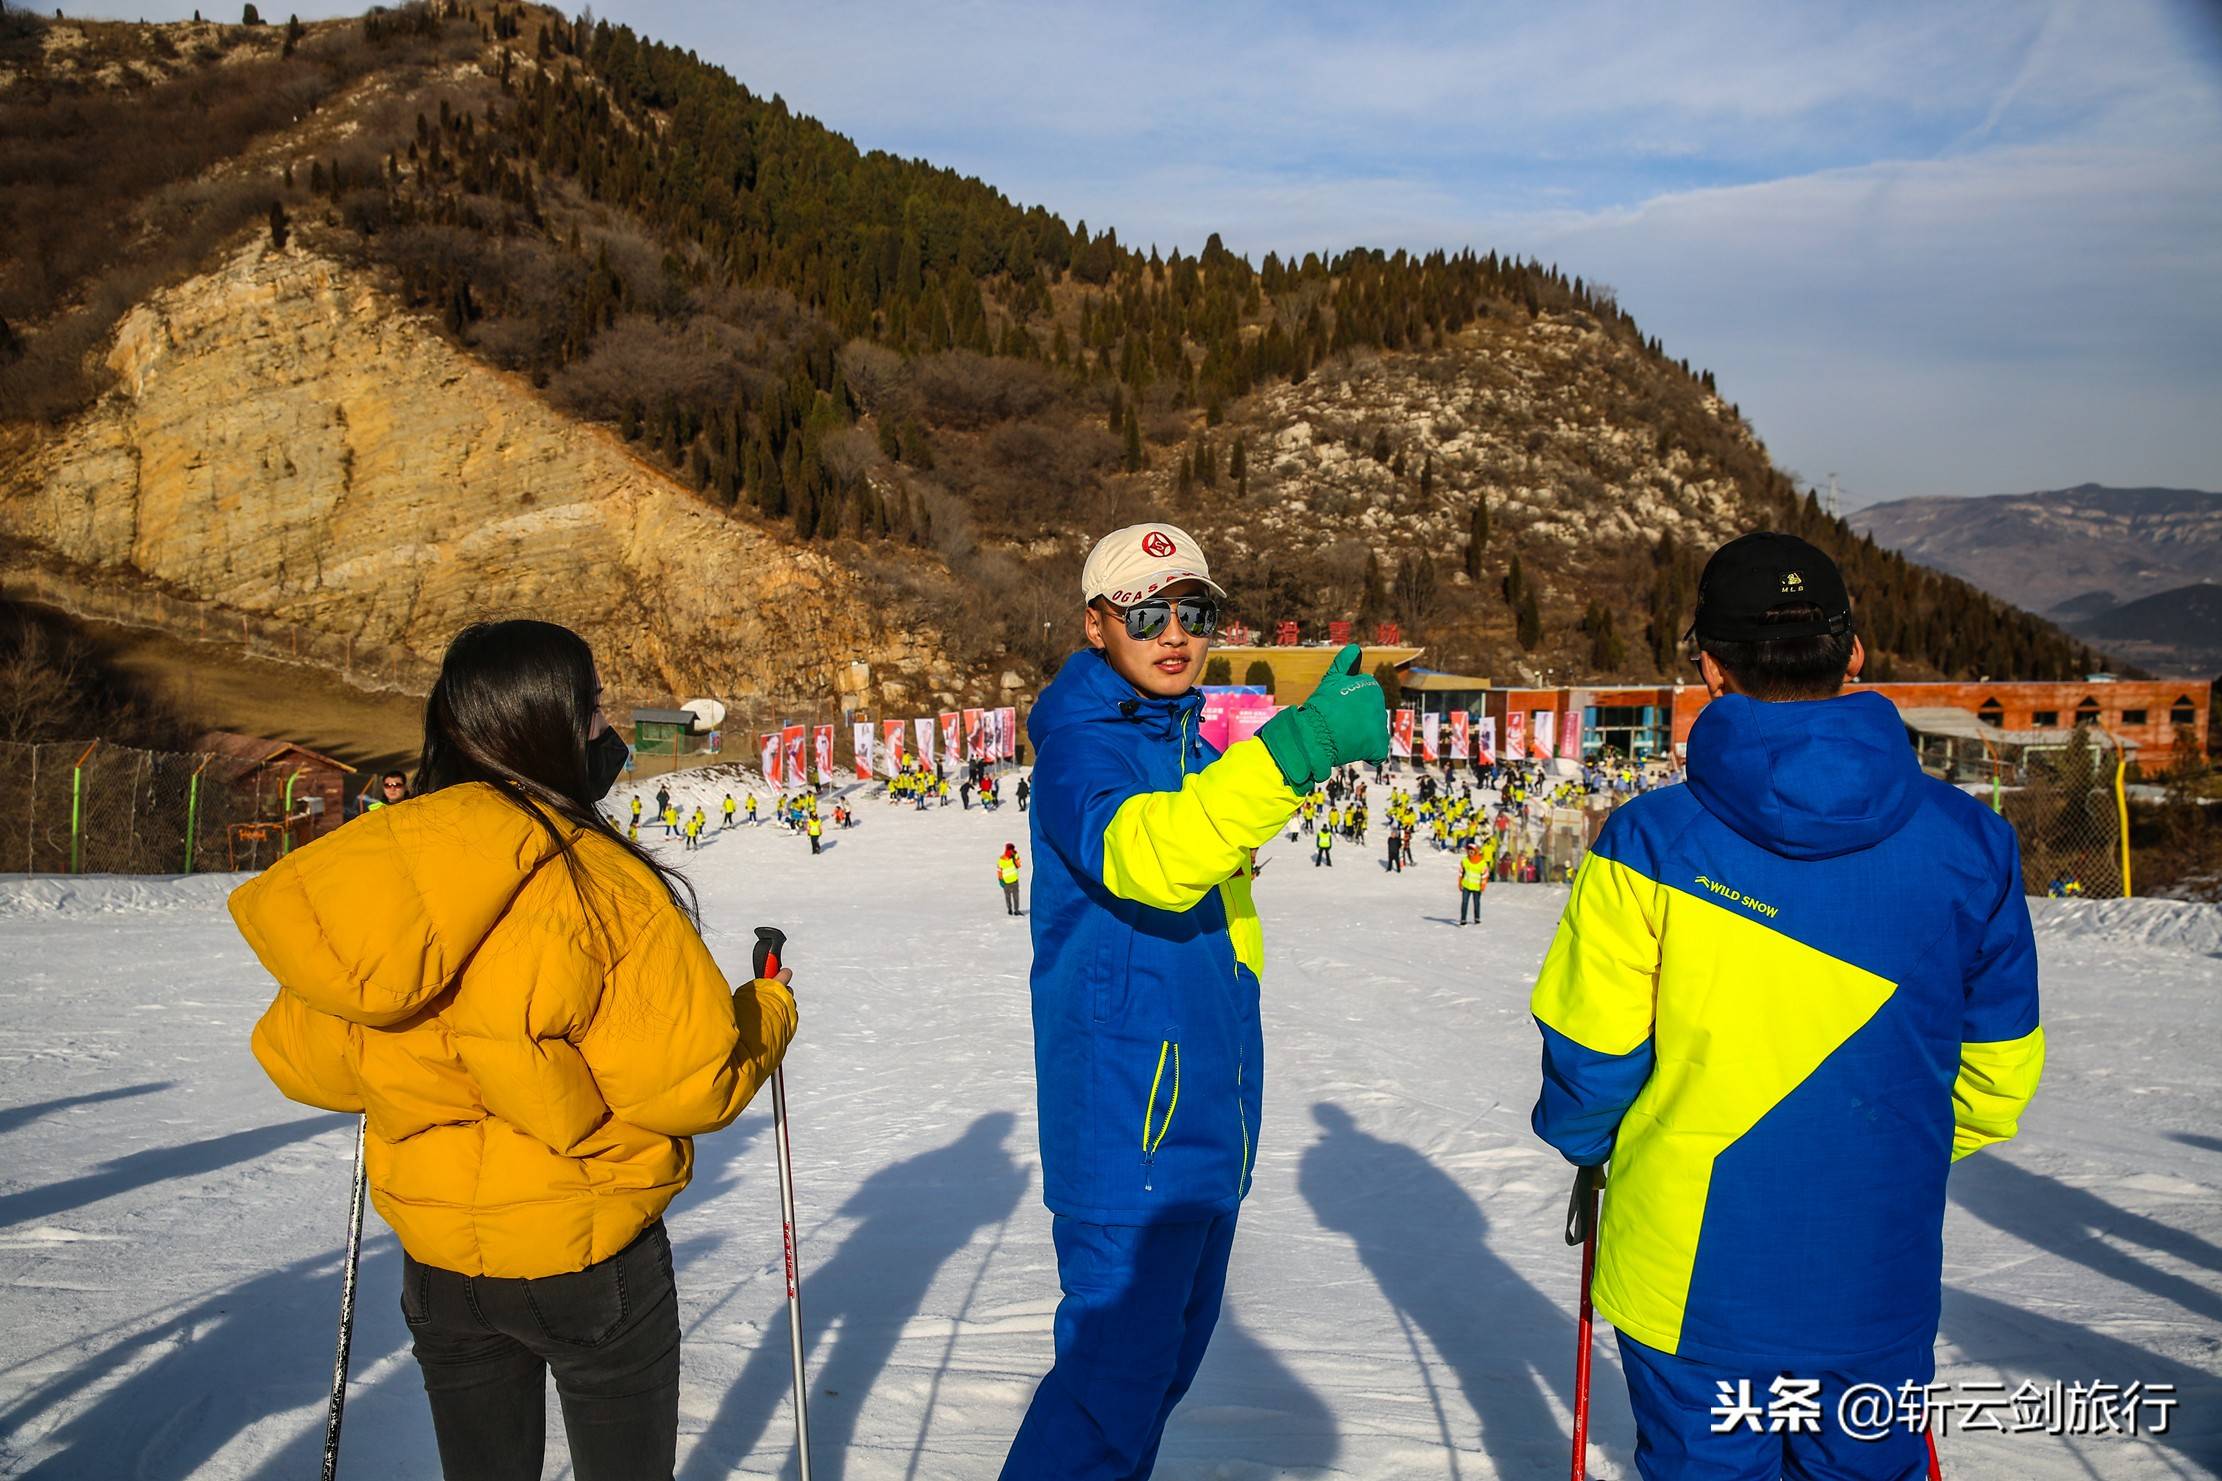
532 1082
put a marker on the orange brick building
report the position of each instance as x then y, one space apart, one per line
1645 721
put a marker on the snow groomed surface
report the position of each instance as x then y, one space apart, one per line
1401 1304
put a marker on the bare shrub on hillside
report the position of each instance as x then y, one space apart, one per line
644 358
967 391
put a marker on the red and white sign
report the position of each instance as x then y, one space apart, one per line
1461 742
794 741
1400 734
1485 740
1009 731
860 740
891 747
1570 735
1542 732
1516 735
922 729
1431 737
771 759
822 742
972 735
952 735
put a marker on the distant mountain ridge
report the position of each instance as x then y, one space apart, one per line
2130 567
2040 550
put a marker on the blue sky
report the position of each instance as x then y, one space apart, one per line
1935 248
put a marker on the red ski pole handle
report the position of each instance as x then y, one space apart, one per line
770 941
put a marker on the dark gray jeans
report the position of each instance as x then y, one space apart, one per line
610 1334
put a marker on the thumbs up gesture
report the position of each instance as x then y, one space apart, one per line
1346 719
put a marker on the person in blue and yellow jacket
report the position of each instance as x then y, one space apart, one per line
1782 1001
1148 1056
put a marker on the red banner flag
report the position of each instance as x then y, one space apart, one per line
1485 740
1460 742
1516 735
822 743
794 743
972 735
1400 734
891 747
771 759
1431 737
952 735
860 740
922 729
1009 729
1542 732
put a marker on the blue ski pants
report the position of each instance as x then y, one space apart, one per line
1138 1311
1679 1401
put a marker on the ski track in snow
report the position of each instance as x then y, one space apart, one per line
1401 1304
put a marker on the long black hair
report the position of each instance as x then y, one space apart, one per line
511 709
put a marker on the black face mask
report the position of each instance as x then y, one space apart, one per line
606 756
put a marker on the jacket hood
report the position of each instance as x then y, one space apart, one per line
1088 690
376 919
1808 779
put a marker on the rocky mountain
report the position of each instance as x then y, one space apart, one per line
2076 549
377 326
2175 631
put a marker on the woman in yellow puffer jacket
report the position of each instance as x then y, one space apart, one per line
521 1004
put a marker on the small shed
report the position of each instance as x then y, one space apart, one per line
284 780
663 732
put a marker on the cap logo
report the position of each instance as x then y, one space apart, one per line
1793 583
1158 544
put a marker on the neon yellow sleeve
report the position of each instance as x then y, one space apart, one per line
1995 1083
1170 849
1600 975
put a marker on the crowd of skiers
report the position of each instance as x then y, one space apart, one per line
1784 997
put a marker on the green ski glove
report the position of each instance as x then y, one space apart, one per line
1345 720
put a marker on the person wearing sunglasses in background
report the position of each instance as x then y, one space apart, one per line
1148 1056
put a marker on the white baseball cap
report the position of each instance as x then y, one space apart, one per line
1137 562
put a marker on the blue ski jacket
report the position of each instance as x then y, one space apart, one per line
1148 1057
1782 1001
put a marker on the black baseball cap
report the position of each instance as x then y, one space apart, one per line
1754 574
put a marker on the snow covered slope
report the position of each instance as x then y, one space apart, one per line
1401 1304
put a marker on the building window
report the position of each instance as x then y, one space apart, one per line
2087 713
2182 712
2045 719
2133 717
1991 713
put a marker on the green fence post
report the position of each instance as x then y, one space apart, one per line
77 808
193 813
285 830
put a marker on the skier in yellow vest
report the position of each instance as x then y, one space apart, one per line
694 830
636 813
1473 878
815 829
1323 848
730 808
1006 871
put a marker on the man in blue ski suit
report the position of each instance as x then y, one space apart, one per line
1783 1000
1148 1057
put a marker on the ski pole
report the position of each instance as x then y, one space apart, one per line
1581 1229
770 940
346 1308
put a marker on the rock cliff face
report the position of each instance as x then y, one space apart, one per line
286 442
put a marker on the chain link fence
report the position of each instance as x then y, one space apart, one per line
2069 812
78 808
